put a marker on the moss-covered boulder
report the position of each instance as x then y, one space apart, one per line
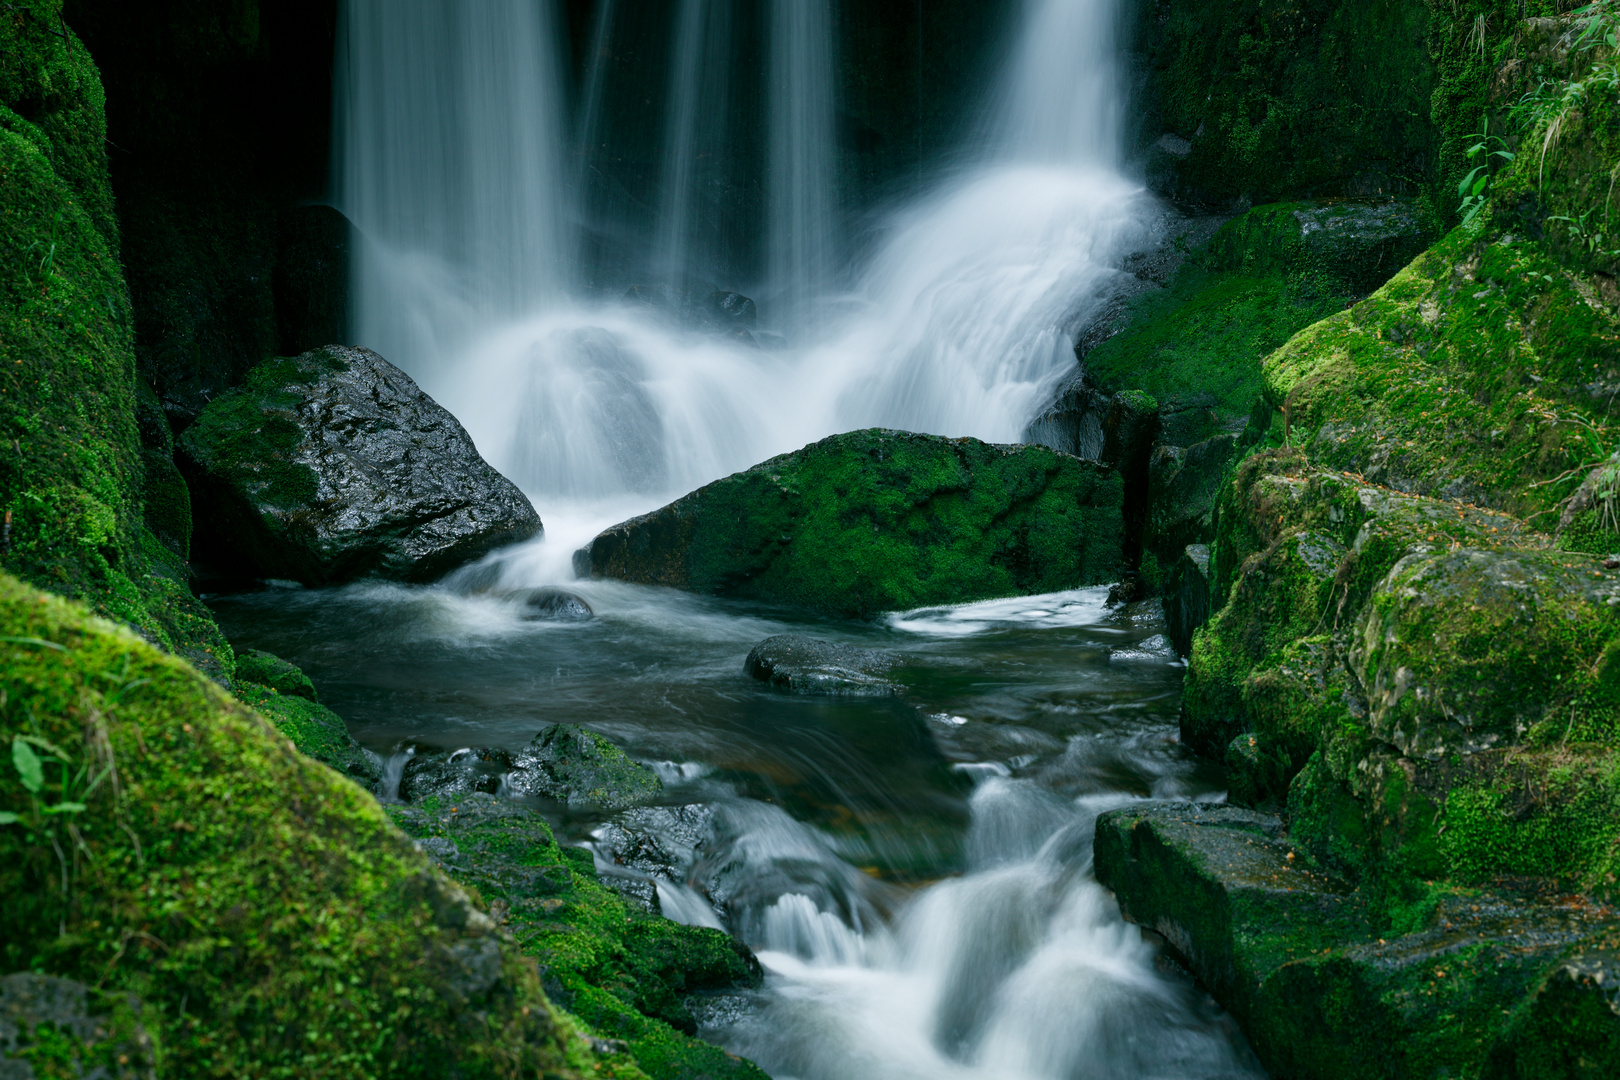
880 520
334 465
264 908
1492 986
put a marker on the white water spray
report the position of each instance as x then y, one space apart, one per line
449 158
803 228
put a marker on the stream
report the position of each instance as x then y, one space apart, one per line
913 871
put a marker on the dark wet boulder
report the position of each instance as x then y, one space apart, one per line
555 605
333 465
1186 596
267 669
879 520
57 1027
646 843
449 774
1486 985
807 665
579 767
1183 487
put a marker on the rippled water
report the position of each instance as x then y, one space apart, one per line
913 871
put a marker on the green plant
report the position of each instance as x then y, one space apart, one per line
1475 187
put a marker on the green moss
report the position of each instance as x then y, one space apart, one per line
1551 815
622 972
267 669
73 474
1394 389
879 520
265 910
316 730
1278 101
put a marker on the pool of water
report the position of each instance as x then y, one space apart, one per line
914 871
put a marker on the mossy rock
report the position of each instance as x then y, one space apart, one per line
1395 388
572 765
624 972
268 669
334 465
1298 552
879 520
1472 649
317 731
264 908
1323 995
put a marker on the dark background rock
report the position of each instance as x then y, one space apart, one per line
879 520
1186 597
334 465
808 665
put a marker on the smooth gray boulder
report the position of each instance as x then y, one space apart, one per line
334 465
555 605
806 665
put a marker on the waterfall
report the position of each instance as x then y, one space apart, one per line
802 235
449 165
960 322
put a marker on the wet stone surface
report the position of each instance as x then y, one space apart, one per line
806 665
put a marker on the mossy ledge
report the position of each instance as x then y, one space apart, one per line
265 909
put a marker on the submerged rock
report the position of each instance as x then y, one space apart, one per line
334 465
808 665
555 605
1486 981
879 520
579 767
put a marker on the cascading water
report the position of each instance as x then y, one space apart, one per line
450 167
960 324
803 230
1016 965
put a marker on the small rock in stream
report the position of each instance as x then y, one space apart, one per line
806 665
555 605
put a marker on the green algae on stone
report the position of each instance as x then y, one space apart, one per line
879 520
262 907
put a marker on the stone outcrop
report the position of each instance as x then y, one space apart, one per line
333 465
1491 985
876 521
